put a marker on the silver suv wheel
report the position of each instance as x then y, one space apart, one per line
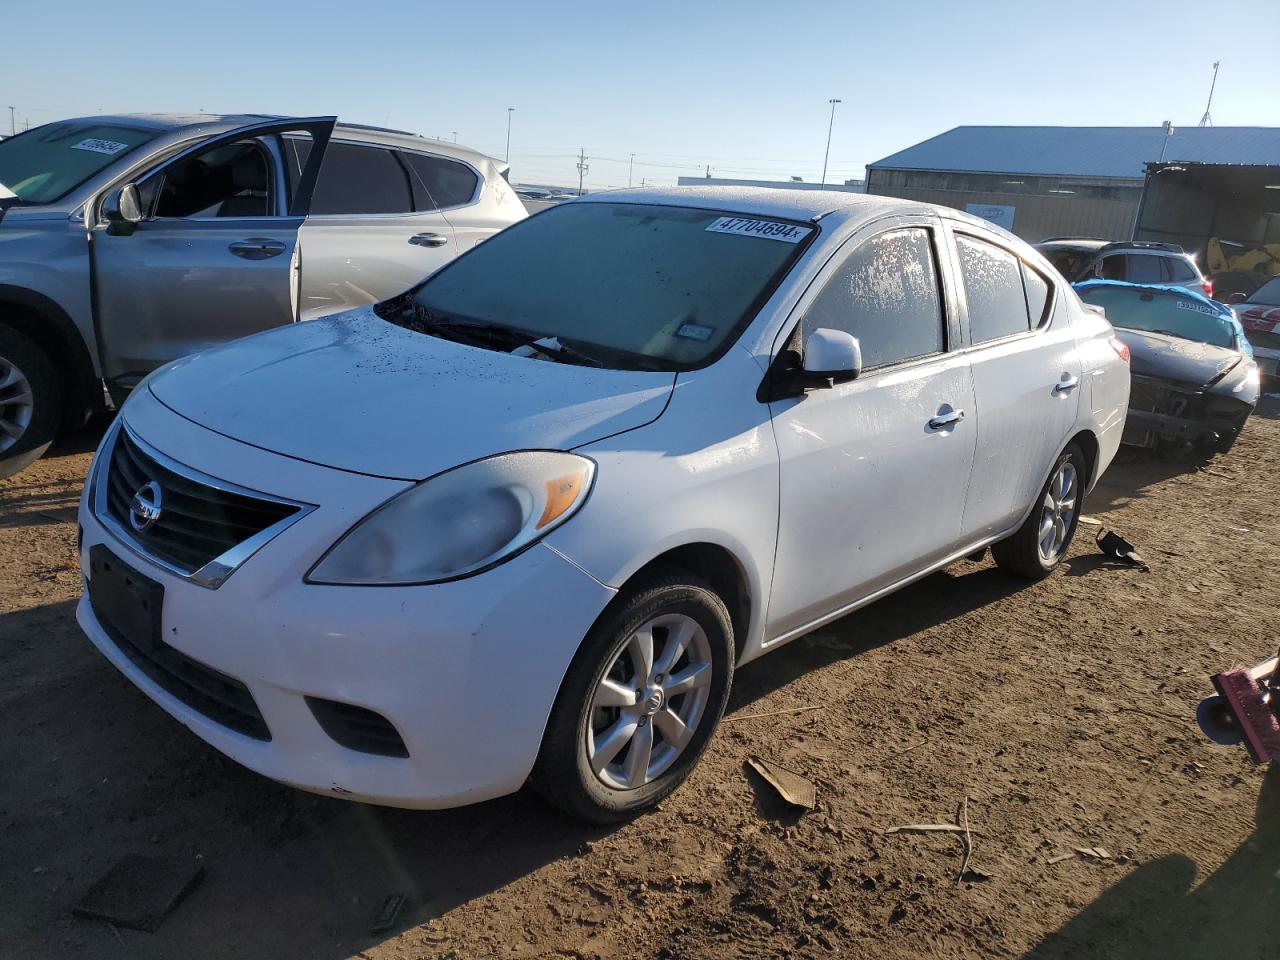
16 404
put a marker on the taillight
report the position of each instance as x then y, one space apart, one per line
1121 348
1208 287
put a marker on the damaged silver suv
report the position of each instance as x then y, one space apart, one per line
128 241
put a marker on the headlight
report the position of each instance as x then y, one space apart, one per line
460 522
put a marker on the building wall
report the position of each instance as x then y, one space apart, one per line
1043 206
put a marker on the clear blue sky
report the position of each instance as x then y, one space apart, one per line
740 86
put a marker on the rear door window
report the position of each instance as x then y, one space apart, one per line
886 295
993 287
356 180
439 183
1143 268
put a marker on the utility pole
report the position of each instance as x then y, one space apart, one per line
1206 120
582 167
510 111
708 171
630 167
12 126
1169 131
830 124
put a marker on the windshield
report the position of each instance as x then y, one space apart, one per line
1067 261
1159 312
629 285
1268 293
43 164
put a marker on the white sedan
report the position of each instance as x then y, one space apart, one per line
522 522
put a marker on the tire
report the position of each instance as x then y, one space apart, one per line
30 406
1021 554
564 774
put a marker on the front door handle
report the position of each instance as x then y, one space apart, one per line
257 248
428 239
944 420
1065 385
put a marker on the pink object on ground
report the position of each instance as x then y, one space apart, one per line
1258 723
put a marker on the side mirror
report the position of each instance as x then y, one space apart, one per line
1237 298
830 357
122 210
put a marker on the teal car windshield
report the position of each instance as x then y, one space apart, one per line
1158 311
44 164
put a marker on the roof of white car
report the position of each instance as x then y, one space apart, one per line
781 203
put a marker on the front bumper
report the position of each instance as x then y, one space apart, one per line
466 672
1164 410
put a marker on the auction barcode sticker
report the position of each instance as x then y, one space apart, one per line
94 145
1198 308
769 229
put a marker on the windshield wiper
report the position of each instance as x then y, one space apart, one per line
487 332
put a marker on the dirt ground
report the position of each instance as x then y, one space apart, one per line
1062 710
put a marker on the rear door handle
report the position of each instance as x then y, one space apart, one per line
257 248
1065 385
944 420
428 239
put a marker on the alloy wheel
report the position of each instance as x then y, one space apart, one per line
1057 511
650 701
16 404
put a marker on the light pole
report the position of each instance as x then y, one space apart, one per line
631 166
455 136
831 123
510 111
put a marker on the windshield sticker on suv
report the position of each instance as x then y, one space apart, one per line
695 331
94 145
769 229
1198 308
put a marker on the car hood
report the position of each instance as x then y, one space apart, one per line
355 392
1173 358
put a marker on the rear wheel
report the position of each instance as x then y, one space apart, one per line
640 701
1044 538
29 402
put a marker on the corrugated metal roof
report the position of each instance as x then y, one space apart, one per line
1084 151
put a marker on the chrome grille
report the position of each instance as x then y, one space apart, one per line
205 527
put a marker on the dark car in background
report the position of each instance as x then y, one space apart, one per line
1193 380
1132 261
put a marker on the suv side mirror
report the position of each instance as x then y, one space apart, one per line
830 357
122 210
1237 298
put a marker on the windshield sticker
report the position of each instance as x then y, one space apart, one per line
769 229
94 145
1198 308
695 331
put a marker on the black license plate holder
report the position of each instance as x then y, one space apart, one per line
125 601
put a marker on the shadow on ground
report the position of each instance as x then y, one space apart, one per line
1155 914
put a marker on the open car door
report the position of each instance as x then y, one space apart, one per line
208 250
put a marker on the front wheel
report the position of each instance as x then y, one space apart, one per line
1044 537
640 701
29 404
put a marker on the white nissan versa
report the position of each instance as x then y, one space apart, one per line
522 522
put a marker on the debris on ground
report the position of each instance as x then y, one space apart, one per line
385 918
1117 547
139 892
1095 853
795 789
